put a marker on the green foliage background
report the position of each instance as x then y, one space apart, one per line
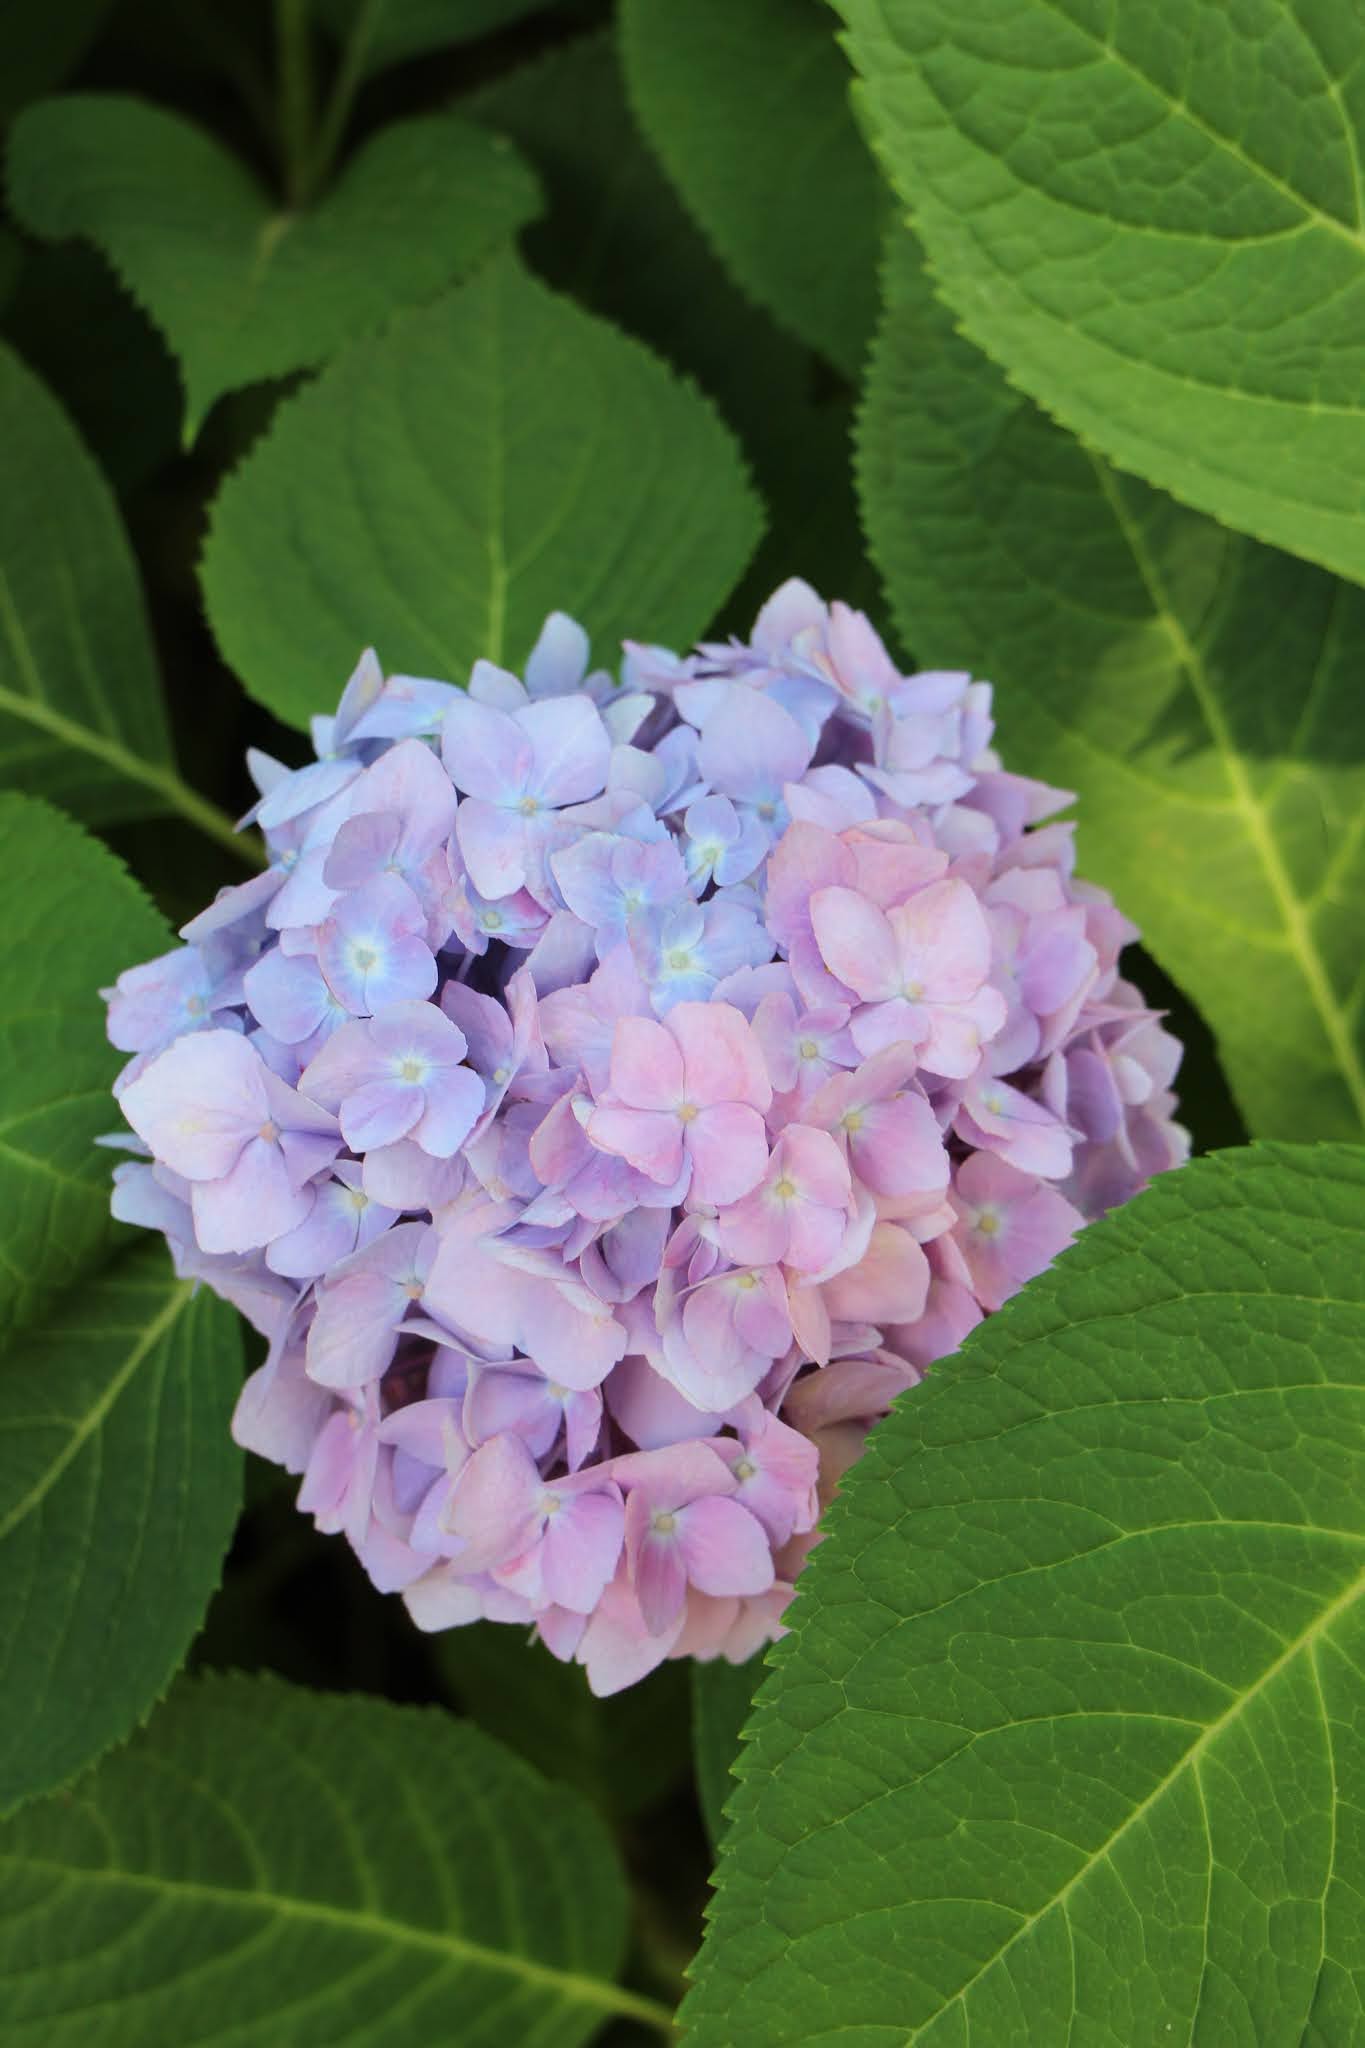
1034 328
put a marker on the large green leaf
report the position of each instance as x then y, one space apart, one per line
1152 217
119 1488
81 717
1066 1745
242 289
119 1481
615 235
622 1753
442 487
283 1869
1200 692
73 920
748 109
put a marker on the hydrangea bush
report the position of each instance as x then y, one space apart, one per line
614 1093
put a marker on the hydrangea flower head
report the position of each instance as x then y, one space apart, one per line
614 1095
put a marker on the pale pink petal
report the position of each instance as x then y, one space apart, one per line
649 1140
722 1059
646 1063
725 1549
493 843
857 943
581 1546
728 1145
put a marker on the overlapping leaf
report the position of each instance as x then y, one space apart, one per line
242 288
280 1869
1200 692
615 235
118 1479
446 485
1153 218
1066 1744
119 1488
748 110
74 919
81 718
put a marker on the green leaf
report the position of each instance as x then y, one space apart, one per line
615 236
81 718
1200 692
722 1695
442 487
391 31
119 1482
242 289
622 1753
119 1488
291 1870
748 109
1066 1745
73 919
1152 218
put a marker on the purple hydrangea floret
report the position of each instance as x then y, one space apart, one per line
615 1093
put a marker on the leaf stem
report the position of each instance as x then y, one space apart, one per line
169 785
345 86
294 63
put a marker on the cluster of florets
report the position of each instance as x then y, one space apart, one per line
613 1095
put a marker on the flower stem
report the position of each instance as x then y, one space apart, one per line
294 66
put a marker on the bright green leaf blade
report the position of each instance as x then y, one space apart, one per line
394 30
242 289
1200 692
748 109
443 487
722 1695
1066 1746
81 718
286 1869
622 1753
615 236
1152 218
74 919
119 1488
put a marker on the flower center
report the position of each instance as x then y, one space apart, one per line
785 1189
745 1469
808 1049
853 1120
363 957
664 1522
678 958
686 1112
196 1006
988 1222
528 806
270 1132
412 1068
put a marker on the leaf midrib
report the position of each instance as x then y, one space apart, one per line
1298 933
1307 1640
596 1992
90 1421
1181 110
